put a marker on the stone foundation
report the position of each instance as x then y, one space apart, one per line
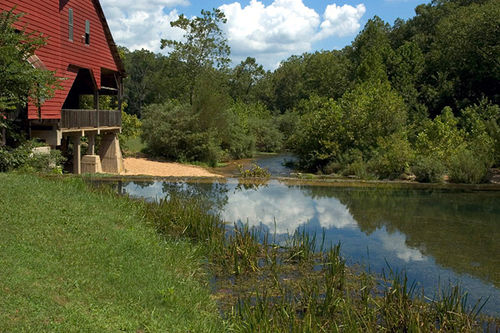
110 153
91 164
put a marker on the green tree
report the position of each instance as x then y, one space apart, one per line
243 79
371 50
467 49
327 73
205 45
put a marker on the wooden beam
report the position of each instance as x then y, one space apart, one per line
77 154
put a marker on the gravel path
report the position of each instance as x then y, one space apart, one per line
141 166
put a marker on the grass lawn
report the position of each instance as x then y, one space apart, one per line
133 146
76 260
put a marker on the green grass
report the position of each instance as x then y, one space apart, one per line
76 260
133 146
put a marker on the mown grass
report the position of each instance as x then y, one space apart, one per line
78 260
133 146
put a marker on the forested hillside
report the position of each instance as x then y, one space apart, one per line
419 97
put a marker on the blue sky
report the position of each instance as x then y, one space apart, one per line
269 30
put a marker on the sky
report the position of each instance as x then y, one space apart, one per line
268 30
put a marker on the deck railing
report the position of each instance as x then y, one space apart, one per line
90 118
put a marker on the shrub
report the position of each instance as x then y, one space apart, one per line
482 121
254 171
23 158
267 137
131 128
467 167
428 169
393 157
172 130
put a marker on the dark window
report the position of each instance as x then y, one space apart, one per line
87 32
70 24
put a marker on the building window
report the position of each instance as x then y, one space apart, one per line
70 24
87 32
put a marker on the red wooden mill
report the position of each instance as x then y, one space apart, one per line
81 50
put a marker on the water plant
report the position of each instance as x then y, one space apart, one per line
255 171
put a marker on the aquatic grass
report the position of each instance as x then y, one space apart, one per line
451 309
255 171
301 246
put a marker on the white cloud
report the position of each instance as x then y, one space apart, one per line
270 33
285 27
341 20
286 211
396 242
139 24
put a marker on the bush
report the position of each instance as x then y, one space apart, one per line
236 140
393 157
174 131
23 158
131 128
428 169
267 137
467 167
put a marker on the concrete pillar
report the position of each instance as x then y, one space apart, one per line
110 153
91 148
77 152
91 164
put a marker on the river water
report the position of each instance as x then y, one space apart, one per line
436 236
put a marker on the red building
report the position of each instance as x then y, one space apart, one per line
81 50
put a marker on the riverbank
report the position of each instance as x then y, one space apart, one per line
146 167
73 259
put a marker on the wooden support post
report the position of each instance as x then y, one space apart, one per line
96 105
91 150
77 154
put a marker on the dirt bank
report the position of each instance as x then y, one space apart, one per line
142 166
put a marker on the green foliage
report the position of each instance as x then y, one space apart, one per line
428 169
393 156
172 130
243 79
441 137
317 139
482 125
23 158
329 131
254 171
205 45
372 110
467 167
131 129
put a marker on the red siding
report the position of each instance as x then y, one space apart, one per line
44 16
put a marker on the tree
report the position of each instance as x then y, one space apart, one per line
244 77
205 45
20 82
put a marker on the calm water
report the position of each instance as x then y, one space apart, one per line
436 236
